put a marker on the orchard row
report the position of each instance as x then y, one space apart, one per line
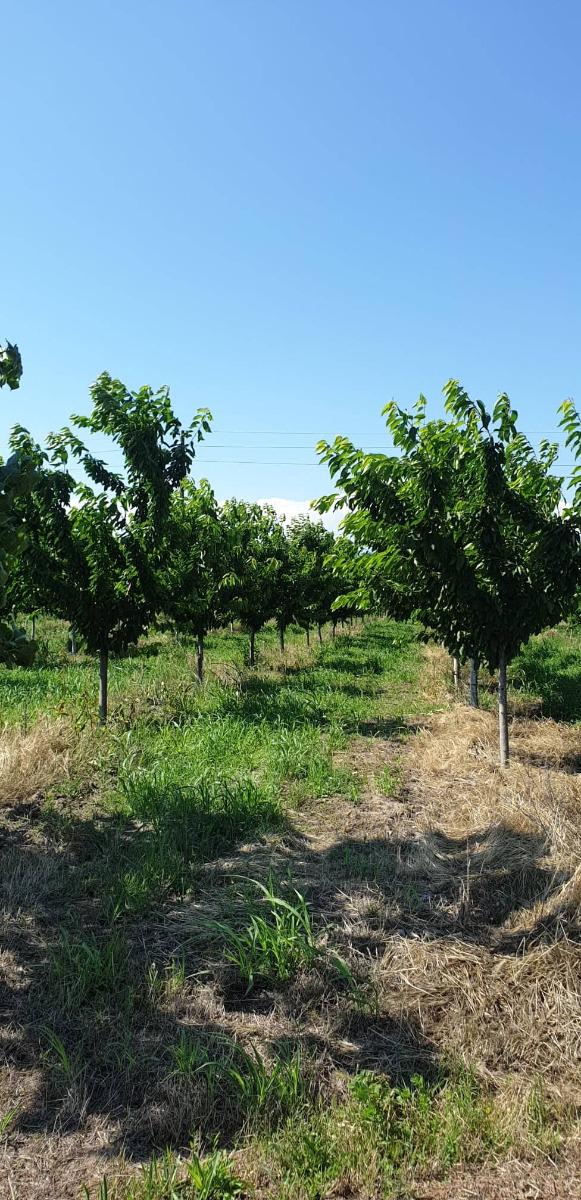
121 550
466 528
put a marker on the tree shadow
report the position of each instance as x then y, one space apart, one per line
569 761
96 1020
552 673
93 943
435 884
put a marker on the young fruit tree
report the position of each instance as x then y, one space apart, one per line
254 534
194 570
462 529
310 547
92 557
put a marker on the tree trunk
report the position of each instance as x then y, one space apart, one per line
502 709
281 638
73 642
200 657
456 672
474 683
252 653
33 630
103 681
320 633
308 633
231 627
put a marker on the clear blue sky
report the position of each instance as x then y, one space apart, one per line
290 211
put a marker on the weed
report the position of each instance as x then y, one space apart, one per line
7 1120
91 971
61 1057
166 1178
266 1093
273 947
253 1091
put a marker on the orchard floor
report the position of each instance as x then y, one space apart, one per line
417 1033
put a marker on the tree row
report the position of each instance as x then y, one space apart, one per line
146 545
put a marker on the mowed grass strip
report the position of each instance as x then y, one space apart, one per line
259 940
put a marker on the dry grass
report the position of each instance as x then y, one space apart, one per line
489 965
503 823
37 760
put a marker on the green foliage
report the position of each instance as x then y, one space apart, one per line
548 669
313 584
93 557
259 1093
89 971
462 526
252 532
383 1135
194 571
274 945
16 648
168 1178
17 477
7 1120
10 366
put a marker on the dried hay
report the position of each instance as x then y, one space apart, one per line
37 760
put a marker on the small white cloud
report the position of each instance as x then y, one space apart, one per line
289 509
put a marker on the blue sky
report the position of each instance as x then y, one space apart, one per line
290 211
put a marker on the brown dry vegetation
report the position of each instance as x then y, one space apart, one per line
452 891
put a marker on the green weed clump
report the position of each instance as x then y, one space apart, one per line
88 970
167 1178
201 820
251 1091
179 828
276 943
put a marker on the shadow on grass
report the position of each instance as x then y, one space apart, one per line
89 993
551 671
91 958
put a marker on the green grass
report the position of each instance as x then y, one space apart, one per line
381 1136
166 1178
276 943
89 970
548 668
151 826
256 1093
184 773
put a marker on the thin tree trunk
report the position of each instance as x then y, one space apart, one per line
456 672
502 709
474 683
231 627
200 657
308 633
33 631
281 638
334 629
103 681
252 653
73 638
320 633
